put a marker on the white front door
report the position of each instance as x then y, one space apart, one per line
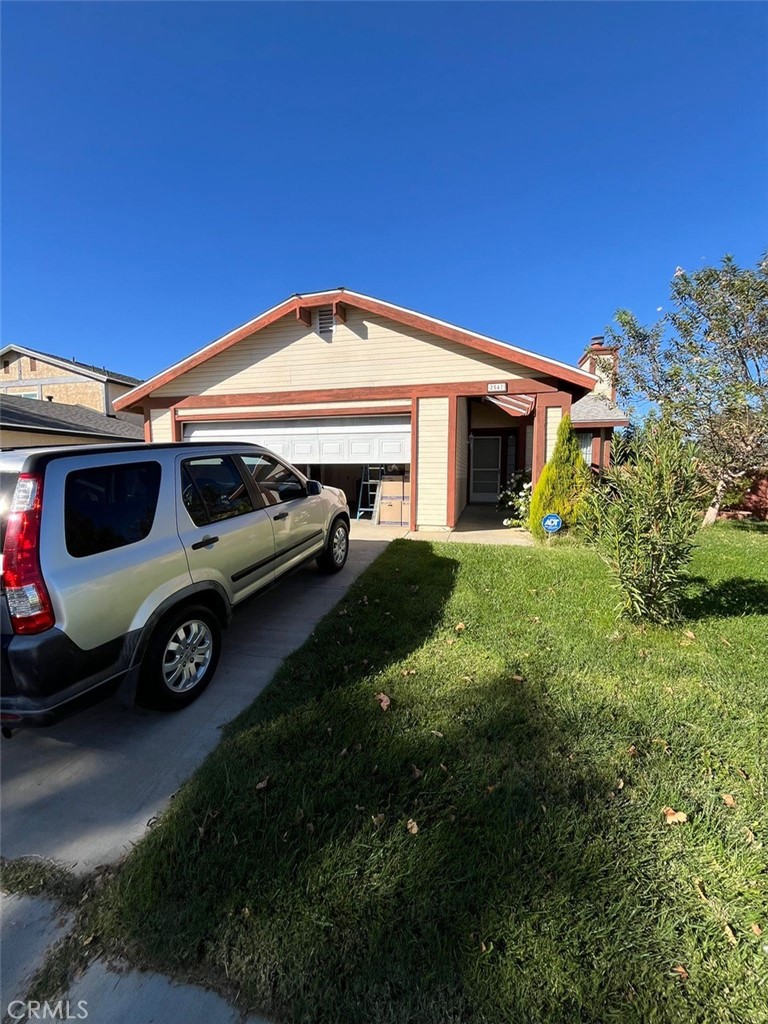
486 469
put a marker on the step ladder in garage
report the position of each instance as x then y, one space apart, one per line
369 491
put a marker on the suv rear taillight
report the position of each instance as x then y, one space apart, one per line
28 601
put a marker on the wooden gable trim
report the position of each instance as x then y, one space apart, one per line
337 299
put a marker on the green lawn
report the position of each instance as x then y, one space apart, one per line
534 742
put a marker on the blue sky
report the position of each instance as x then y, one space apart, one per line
171 169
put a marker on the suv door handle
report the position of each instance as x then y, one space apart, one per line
281 515
204 543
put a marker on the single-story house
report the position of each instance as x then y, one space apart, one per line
25 423
29 373
342 384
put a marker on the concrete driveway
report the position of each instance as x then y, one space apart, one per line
82 792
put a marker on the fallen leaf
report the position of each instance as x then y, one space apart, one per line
310 828
412 827
518 679
536 619
416 772
672 817
743 774
89 940
450 642
681 972
436 733
489 789
632 750
408 672
757 929
359 807
483 947
460 627
351 631
443 767
263 784
383 700
728 932
689 633
378 819
749 835
728 799
467 679
620 784
726 642
700 889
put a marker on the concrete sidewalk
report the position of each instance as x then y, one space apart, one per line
477 525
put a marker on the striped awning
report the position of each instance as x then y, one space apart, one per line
514 405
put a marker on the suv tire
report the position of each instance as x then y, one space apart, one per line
334 556
181 659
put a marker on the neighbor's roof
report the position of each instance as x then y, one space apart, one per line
56 418
99 372
343 296
597 410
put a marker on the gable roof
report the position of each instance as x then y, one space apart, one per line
341 297
98 372
57 418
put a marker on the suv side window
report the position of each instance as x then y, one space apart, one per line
213 489
275 481
107 507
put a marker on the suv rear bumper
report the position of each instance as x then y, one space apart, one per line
45 677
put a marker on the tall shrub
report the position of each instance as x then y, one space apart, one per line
644 517
563 482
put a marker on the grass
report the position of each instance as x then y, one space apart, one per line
534 743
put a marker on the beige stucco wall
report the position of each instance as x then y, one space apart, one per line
554 416
432 468
462 454
366 351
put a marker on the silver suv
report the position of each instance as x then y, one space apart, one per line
123 564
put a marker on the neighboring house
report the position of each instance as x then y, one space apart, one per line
337 380
24 424
27 373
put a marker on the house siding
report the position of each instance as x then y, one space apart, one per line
162 425
366 351
432 475
554 416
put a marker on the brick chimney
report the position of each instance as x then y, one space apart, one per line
601 359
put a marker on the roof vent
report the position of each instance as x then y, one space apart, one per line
325 320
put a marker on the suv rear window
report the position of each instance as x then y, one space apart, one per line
109 506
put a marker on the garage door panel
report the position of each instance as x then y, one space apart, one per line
321 441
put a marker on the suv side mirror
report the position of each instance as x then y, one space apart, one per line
314 487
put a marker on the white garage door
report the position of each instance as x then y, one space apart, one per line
328 441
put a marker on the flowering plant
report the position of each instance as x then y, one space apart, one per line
515 500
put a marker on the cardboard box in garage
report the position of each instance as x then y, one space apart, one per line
392 488
393 512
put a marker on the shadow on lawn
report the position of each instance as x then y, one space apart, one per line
286 872
735 596
750 526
